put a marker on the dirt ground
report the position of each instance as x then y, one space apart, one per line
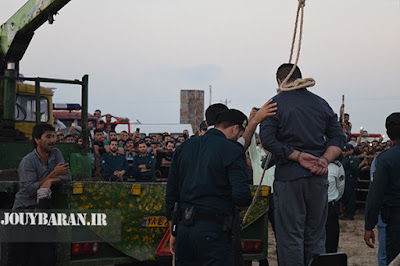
351 242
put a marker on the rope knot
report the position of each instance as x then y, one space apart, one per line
296 85
302 3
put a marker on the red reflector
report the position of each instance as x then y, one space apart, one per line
251 245
80 248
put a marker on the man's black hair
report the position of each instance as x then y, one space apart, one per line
212 112
284 70
393 126
38 131
141 142
166 144
165 135
97 130
111 140
112 131
97 110
346 114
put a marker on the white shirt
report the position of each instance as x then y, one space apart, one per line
257 155
336 181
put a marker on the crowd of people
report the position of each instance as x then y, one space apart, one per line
120 156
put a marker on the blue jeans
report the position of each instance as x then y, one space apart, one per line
382 242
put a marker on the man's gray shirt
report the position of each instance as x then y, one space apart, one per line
31 170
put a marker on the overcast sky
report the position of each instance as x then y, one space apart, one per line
140 54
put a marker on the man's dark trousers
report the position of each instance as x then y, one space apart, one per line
332 228
301 208
204 243
393 237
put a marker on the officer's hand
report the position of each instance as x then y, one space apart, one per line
60 169
268 109
368 236
172 242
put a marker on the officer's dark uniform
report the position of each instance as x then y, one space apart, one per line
384 191
150 161
208 172
350 166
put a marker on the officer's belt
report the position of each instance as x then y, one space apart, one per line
209 216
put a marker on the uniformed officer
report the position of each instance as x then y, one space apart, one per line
350 165
335 192
209 180
384 193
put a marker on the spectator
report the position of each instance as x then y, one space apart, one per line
123 135
58 125
122 142
98 143
79 141
165 139
144 164
91 128
186 134
114 164
181 139
202 128
346 125
69 139
167 155
129 153
97 115
336 179
59 136
108 120
106 131
351 171
113 136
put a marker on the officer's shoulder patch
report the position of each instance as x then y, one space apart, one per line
341 178
337 163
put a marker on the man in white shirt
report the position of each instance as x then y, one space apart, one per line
335 192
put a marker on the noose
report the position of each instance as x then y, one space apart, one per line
298 83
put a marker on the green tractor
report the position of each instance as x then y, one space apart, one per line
136 229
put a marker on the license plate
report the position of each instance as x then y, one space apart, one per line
155 221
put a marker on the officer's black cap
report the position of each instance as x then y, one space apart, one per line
393 120
233 116
348 147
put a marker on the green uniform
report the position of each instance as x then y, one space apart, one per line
384 191
208 172
350 166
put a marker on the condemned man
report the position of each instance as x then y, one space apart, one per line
384 193
208 180
296 138
38 170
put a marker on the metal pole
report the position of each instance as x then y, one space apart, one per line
37 94
210 95
84 111
9 92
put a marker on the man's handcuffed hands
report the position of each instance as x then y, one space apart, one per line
317 166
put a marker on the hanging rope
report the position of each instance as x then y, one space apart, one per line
299 83
269 155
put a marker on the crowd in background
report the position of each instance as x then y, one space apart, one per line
138 158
